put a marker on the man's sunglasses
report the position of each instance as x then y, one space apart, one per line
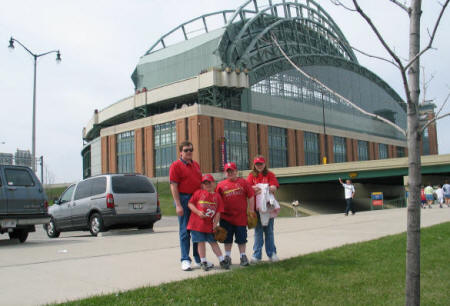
188 150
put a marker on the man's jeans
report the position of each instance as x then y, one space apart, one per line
185 235
349 206
269 243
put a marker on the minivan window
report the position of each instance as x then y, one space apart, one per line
83 190
131 184
18 177
67 195
98 185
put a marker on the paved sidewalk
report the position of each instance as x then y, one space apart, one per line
75 266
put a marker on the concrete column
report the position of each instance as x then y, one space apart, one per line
218 124
112 158
349 149
300 150
252 134
355 149
105 154
182 134
199 131
263 140
292 157
139 151
149 149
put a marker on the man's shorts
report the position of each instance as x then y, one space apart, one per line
202 237
447 195
429 197
240 232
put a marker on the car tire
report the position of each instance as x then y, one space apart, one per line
96 224
50 229
20 234
147 226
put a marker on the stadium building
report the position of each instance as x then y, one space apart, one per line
220 81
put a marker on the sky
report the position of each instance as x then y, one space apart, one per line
101 42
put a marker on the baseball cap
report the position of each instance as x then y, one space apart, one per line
207 177
230 166
260 160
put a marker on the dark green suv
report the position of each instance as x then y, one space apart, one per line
23 202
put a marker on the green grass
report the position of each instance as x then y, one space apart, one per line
53 193
369 273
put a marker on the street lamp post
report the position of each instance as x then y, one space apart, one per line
35 57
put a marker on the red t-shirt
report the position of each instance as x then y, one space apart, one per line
188 176
270 179
209 204
234 196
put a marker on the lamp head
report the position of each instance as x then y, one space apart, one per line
11 44
58 57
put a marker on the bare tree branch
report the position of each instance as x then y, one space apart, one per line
388 49
437 117
375 56
339 3
334 92
402 6
434 120
430 43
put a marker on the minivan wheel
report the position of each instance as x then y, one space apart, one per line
96 224
20 234
50 228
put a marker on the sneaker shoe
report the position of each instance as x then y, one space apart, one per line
224 264
186 265
346 214
204 266
353 213
255 260
274 258
228 259
199 264
244 261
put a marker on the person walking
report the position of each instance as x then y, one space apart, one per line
349 194
237 195
261 175
446 189
185 178
429 191
440 195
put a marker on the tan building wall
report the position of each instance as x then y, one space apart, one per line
139 160
218 126
349 149
330 153
300 149
432 136
112 161
263 141
291 148
376 151
148 152
105 154
252 142
371 151
355 149
182 133
199 131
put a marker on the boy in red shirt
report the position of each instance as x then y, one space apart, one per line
206 206
235 192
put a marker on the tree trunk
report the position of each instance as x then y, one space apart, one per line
414 163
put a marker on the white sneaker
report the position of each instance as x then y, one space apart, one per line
255 260
209 264
186 265
274 257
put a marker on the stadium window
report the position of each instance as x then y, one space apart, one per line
165 147
125 152
312 148
339 149
363 150
400 152
382 151
277 147
235 133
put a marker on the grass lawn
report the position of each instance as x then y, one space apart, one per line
369 273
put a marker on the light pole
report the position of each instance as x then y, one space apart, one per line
35 57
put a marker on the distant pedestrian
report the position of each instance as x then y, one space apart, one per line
206 206
349 190
185 178
423 198
440 195
446 189
429 191
237 195
261 175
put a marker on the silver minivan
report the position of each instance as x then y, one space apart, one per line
105 202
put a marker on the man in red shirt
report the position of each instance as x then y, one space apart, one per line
237 195
185 178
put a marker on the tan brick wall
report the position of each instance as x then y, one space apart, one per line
371 151
105 154
292 157
300 149
432 136
330 144
252 142
390 151
149 159
355 149
349 149
112 159
139 151
217 138
182 134
199 130
376 151
264 142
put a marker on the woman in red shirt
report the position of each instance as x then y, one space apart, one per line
260 175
